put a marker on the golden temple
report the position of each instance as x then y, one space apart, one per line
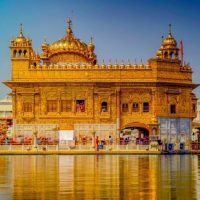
65 88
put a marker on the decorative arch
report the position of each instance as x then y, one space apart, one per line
20 53
165 54
15 53
104 106
136 125
25 53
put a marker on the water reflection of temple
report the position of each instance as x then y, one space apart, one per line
98 177
35 177
179 178
5 177
116 177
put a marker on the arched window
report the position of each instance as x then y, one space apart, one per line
125 107
25 53
20 53
104 106
165 54
172 108
145 107
172 55
135 107
15 53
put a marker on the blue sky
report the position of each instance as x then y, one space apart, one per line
121 29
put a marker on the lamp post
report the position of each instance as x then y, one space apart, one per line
93 132
35 133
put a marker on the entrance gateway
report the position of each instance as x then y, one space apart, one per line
136 133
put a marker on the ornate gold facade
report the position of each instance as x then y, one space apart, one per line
65 86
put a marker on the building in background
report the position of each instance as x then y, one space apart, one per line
6 117
65 88
197 119
196 125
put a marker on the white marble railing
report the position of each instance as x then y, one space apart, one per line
76 147
87 147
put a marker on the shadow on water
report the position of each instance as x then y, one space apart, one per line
100 177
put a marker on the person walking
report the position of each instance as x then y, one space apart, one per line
97 143
110 140
6 141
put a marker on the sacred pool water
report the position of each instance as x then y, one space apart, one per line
99 177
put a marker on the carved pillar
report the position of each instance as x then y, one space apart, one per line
118 120
93 106
73 102
14 103
59 103
154 120
153 105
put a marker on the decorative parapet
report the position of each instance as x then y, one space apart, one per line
89 67
185 68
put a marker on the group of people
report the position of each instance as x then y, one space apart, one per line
101 143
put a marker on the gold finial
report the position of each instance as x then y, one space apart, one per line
69 21
45 39
91 40
170 28
69 30
21 31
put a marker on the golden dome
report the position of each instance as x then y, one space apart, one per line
69 44
72 45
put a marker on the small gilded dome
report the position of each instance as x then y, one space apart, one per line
21 40
169 41
159 53
141 65
45 44
91 46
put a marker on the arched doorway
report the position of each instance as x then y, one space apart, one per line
137 133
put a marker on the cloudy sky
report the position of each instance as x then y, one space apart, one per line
121 29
